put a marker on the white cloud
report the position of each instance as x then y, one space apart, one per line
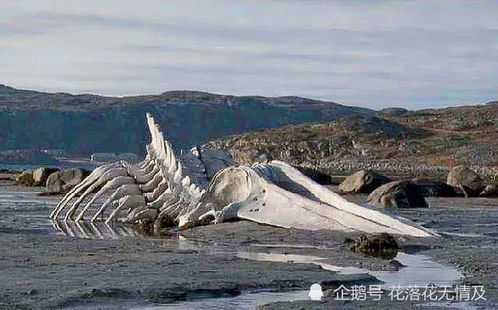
371 53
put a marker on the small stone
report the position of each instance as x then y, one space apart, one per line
383 245
396 265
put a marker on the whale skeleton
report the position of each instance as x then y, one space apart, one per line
170 188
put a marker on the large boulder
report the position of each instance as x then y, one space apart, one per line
465 181
363 181
25 178
431 188
62 181
40 175
398 194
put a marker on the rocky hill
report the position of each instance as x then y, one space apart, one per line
414 143
83 124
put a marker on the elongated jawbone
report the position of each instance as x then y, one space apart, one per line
278 194
165 186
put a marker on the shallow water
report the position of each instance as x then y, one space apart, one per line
244 301
420 270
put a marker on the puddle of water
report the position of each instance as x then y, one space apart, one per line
486 224
290 246
465 235
295 258
95 230
420 269
244 301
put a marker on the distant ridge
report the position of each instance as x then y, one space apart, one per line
28 99
86 123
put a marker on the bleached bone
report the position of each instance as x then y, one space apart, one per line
111 186
166 196
142 213
89 184
137 170
122 191
167 186
94 176
333 199
248 193
130 201
160 188
152 184
142 177
104 178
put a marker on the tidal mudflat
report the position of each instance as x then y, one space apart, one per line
240 264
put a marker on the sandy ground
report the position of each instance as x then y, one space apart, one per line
42 268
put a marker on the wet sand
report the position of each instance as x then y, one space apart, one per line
42 268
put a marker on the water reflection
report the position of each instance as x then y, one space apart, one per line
96 230
420 269
243 301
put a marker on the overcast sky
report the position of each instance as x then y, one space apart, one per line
373 53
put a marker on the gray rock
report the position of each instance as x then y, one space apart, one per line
490 190
363 181
40 175
398 194
431 188
62 181
26 178
465 180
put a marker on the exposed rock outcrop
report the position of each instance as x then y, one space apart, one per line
398 194
431 188
466 181
363 181
64 180
40 175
